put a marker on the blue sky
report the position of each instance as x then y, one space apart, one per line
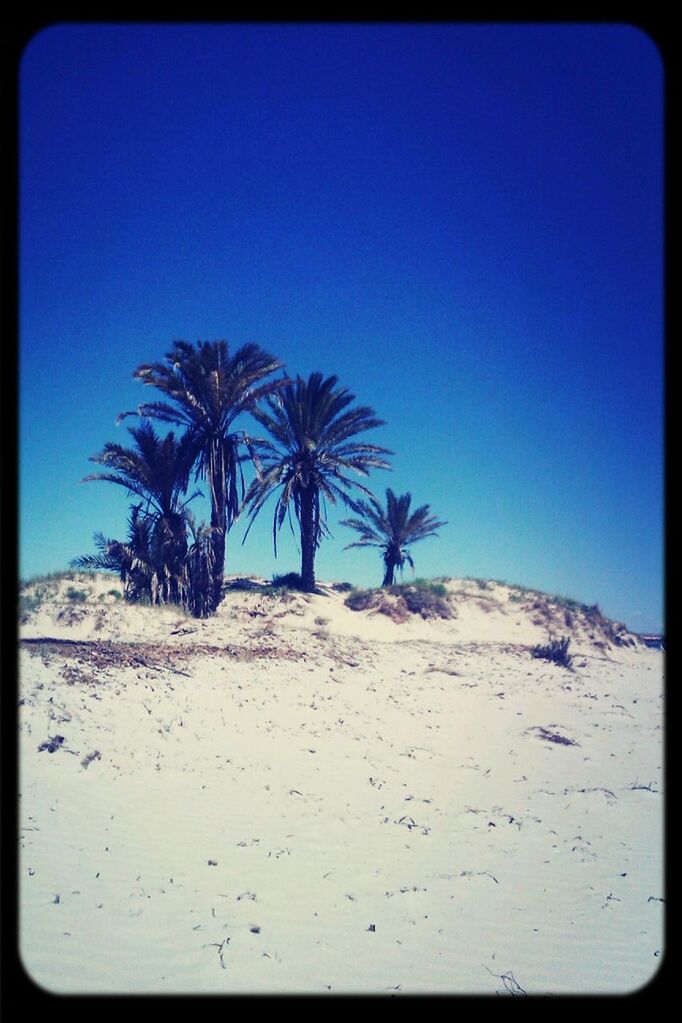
464 223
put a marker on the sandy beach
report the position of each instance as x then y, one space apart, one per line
294 797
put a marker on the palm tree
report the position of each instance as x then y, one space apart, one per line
154 471
209 388
312 452
392 530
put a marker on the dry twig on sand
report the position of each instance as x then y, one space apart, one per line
511 985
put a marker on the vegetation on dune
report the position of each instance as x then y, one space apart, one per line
34 592
483 584
309 458
392 530
423 600
39 590
48 578
361 600
555 651
289 581
29 603
427 599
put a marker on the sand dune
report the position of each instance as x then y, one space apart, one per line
297 797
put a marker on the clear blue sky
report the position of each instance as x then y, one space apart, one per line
464 223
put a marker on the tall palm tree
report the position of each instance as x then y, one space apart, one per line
154 471
311 426
209 388
392 530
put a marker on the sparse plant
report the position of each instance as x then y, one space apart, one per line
30 602
483 584
47 577
555 651
435 586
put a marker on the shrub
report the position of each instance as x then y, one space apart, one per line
424 598
77 596
556 651
116 594
396 610
290 581
360 600
568 603
342 587
425 601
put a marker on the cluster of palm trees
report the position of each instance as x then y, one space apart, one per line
313 454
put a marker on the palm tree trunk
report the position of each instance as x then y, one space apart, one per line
217 561
388 576
219 535
308 540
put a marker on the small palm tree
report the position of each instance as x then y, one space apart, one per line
199 571
209 388
154 471
135 559
392 530
312 427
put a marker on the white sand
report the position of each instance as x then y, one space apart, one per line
281 805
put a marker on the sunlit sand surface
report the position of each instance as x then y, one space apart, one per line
296 797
